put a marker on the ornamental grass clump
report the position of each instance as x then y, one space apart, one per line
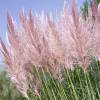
41 45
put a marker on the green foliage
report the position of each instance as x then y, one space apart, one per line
85 6
98 1
76 85
84 9
7 89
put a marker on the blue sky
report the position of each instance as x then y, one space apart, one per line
14 6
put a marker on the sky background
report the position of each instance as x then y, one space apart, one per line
15 6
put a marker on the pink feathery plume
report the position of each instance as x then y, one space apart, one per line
79 36
43 43
3 49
